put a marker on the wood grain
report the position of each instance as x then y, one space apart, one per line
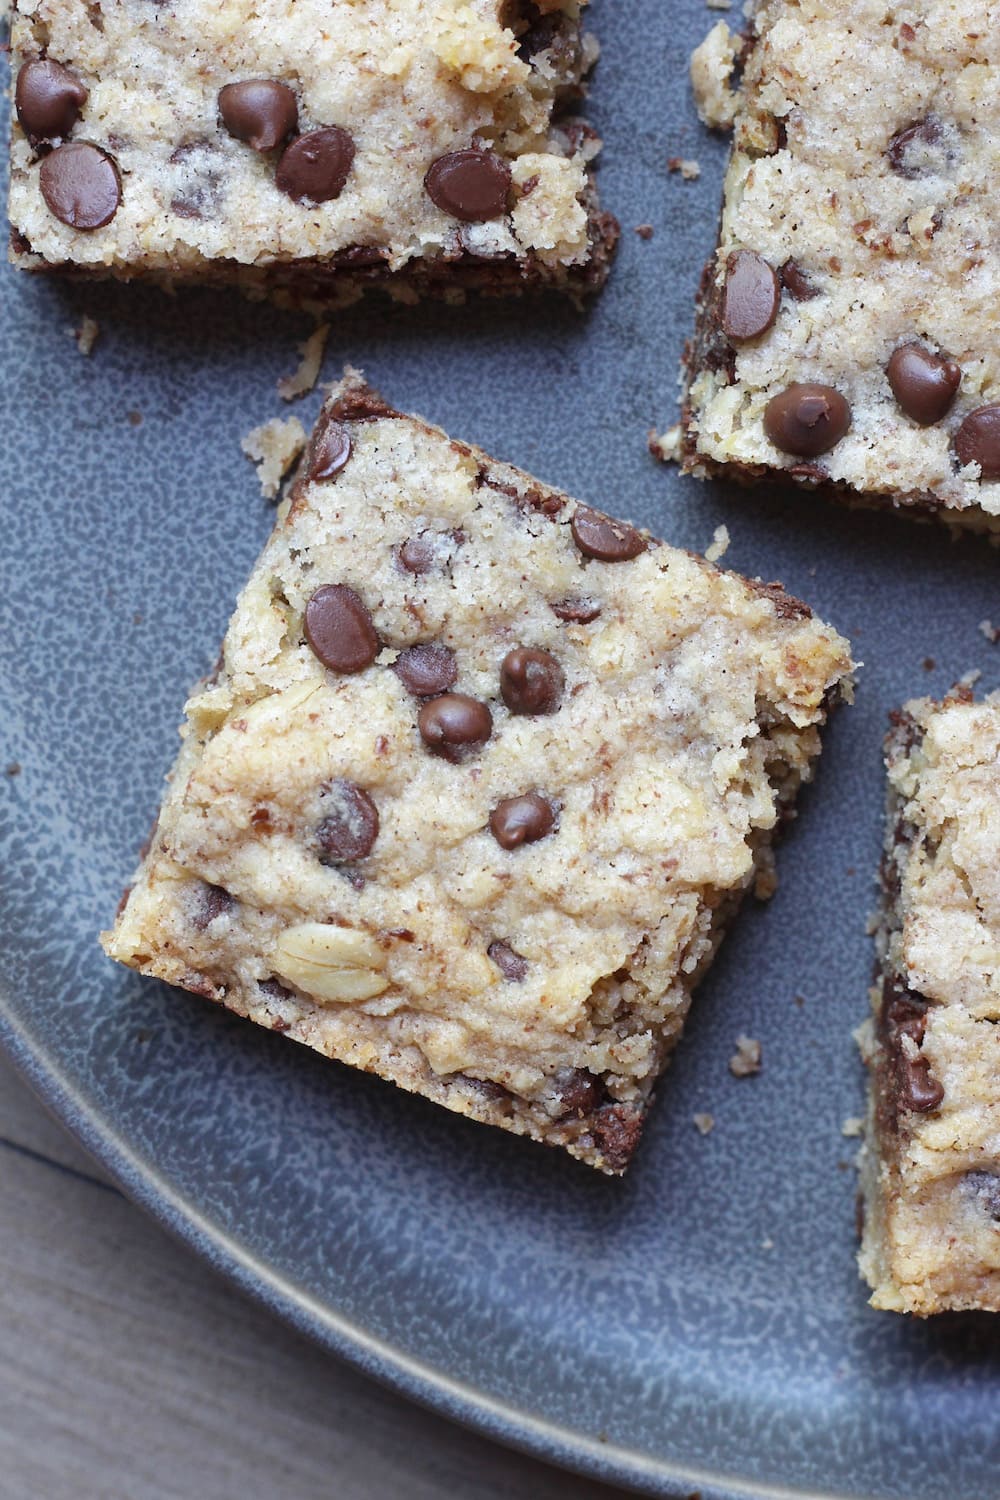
130 1372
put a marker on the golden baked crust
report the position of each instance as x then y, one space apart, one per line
537 985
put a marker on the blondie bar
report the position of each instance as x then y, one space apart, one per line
479 779
931 1162
298 144
845 323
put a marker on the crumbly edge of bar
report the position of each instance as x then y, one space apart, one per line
604 1136
345 277
708 349
885 1131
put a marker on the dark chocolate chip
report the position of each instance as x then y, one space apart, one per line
977 441
315 167
901 1009
807 419
187 207
454 723
575 611
416 555
260 111
919 150
471 185
924 384
581 1092
598 536
545 33
510 963
903 1013
80 185
531 682
616 1129
919 1089
493 1092
339 629
360 256
521 820
330 451
48 99
984 1187
786 606
796 283
350 827
274 989
210 901
751 296
427 669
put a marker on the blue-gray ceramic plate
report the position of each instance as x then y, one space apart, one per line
699 1326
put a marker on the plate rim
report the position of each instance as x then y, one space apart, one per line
414 1379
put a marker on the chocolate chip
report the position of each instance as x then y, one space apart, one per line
924 384
531 682
330 451
210 901
984 1188
360 256
548 33
454 723
901 1007
904 1014
919 1089
510 963
471 185
919 150
977 441
416 555
807 419
274 989
339 629
315 167
597 535
350 827
581 1092
80 185
575 611
617 1129
797 283
493 1092
521 820
751 296
191 206
260 111
426 670
48 99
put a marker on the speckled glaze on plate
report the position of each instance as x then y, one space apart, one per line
699 1326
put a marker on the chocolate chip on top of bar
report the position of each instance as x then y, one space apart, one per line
313 149
843 333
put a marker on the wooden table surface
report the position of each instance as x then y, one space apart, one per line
132 1372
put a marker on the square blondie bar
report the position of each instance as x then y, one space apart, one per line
931 1162
845 329
294 144
479 780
